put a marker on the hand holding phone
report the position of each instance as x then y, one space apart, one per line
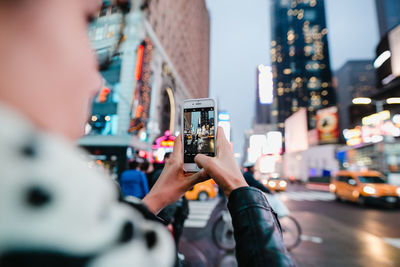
222 168
199 130
173 181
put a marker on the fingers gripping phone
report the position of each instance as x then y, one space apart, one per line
199 124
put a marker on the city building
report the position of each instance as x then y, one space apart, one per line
388 12
152 55
300 59
356 78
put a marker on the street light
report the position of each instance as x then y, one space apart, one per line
393 100
378 103
362 101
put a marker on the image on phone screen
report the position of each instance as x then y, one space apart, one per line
199 133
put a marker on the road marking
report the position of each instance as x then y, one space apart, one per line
321 187
313 239
199 213
307 196
395 242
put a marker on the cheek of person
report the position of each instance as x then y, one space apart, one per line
51 66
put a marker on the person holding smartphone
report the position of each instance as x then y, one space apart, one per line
55 210
256 227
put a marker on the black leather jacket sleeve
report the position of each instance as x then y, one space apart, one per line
257 231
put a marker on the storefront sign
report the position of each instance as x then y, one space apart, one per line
142 95
375 128
163 145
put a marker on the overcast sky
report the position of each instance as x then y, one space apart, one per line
240 37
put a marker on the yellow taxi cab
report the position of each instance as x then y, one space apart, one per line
275 184
364 187
202 191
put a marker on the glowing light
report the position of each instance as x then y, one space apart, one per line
172 105
139 61
94 118
369 190
143 136
376 118
362 101
271 183
223 116
107 118
282 184
332 187
265 84
274 139
382 58
287 71
393 100
352 133
226 125
396 119
257 146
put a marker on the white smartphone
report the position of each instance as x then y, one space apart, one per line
199 124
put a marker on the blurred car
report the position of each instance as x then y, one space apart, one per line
364 187
275 184
202 191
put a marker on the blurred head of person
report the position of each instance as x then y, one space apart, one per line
48 70
144 166
133 165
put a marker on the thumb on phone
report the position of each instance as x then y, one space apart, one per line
201 160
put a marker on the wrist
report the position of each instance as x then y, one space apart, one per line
235 185
154 203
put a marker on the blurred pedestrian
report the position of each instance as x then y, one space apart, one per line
251 181
134 182
157 171
147 168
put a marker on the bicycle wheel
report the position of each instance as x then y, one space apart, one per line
223 234
291 232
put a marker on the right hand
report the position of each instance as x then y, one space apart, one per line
222 168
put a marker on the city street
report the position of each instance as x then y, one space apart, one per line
333 233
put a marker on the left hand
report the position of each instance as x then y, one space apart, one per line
173 181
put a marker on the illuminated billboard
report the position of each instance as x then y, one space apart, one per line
327 125
296 132
394 44
274 140
224 123
265 84
258 144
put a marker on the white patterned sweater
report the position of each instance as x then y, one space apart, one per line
52 203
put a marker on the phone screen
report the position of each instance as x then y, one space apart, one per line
199 133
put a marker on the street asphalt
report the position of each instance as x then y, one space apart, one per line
333 233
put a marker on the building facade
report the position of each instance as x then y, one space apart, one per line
300 59
356 78
388 12
152 55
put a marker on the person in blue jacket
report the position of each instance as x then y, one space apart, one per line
134 182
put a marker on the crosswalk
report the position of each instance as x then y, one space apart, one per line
199 213
307 196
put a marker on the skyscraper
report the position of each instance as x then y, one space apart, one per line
356 78
388 14
300 59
